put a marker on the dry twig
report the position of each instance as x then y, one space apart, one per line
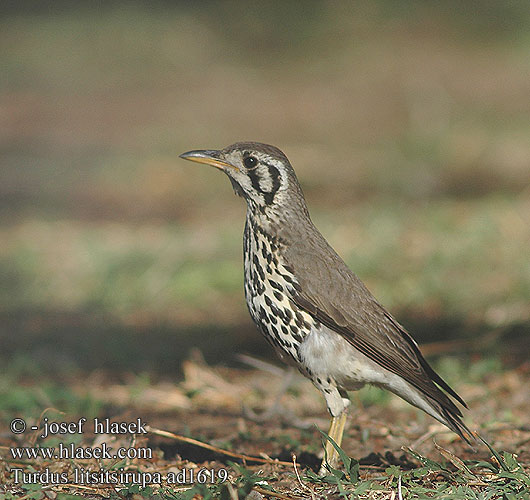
207 446
304 486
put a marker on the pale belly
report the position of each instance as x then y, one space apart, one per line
328 354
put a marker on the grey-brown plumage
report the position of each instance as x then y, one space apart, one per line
310 306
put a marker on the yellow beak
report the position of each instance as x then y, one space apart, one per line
210 157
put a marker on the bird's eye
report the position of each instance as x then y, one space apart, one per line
250 162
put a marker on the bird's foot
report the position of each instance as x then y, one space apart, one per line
325 468
331 455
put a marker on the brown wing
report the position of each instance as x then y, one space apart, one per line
331 293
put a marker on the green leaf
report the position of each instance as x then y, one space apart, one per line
363 487
351 465
486 465
31 486
496 454
147 492
510 461
393 470
431 464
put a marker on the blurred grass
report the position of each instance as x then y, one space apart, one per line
407 124
458 259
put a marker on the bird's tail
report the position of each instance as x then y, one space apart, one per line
451 416
445 407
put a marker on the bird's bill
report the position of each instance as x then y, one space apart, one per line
210 157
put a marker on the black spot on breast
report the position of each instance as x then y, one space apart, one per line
287 278
298 337
263 316
289 269
261 273
299 320
258 267
276 312
276 285
245 240
278 295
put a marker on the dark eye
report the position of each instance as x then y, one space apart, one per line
250 162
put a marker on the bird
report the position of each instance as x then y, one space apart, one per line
314 311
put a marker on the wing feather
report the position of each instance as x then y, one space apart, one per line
330 292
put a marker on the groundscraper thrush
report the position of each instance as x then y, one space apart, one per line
311 307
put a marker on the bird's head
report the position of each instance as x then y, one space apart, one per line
259 172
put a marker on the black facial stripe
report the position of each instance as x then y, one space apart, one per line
254 179
276 182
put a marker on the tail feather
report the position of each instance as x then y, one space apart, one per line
441 382
455 423
451 416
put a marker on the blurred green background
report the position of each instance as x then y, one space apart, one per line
407 122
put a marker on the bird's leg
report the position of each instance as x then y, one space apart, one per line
336 430
337 401
340 427
329 450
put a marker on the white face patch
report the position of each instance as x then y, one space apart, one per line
261 183
265 182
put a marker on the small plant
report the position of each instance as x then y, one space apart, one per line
502 478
